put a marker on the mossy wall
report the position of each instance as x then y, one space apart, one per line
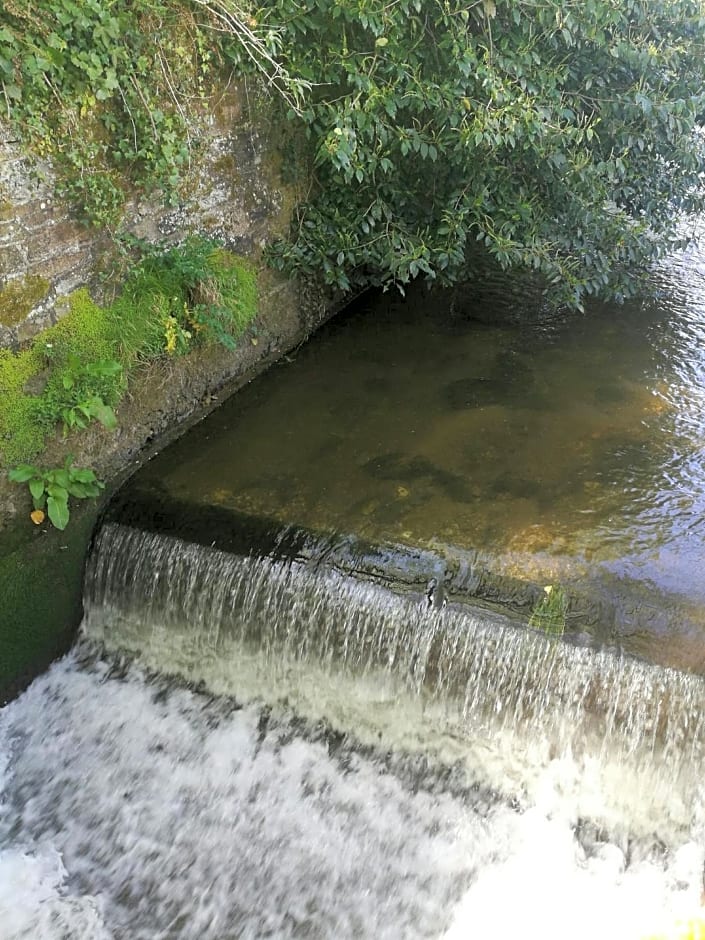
20 297
234 194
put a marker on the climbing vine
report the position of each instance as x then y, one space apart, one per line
106 90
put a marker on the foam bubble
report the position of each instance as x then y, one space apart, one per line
35 903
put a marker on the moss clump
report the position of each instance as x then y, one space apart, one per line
174 299
40 587
18 298
21 431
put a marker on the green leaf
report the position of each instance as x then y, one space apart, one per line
58 513
22 473
59 477
84 475
36 488
58 493
83 490
105 414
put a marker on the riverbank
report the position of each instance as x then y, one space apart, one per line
40 567
231 193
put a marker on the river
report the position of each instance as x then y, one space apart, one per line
246 745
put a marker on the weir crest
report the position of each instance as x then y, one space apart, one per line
463 686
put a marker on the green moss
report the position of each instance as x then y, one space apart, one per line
40 587
86 332
192 294
27 414
18 298
21 434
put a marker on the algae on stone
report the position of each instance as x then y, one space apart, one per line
19 297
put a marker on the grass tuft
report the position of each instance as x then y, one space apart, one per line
173 300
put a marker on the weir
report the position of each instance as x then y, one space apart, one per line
446 680
306 701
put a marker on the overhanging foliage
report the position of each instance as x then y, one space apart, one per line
561 136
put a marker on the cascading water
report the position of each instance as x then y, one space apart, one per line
291 631
249 747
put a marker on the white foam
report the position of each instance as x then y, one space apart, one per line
134 810
34 902
547 888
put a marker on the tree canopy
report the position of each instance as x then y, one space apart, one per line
561 136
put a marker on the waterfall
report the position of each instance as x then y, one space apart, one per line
448 681
257 746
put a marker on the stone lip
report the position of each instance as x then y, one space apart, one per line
627 616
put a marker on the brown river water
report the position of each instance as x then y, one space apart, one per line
563 448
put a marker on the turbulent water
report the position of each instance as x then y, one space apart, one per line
240 748
319 757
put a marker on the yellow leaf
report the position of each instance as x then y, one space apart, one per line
37 516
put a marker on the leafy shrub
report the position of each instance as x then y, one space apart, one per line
562 139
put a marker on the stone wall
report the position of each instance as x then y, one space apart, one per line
232 191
